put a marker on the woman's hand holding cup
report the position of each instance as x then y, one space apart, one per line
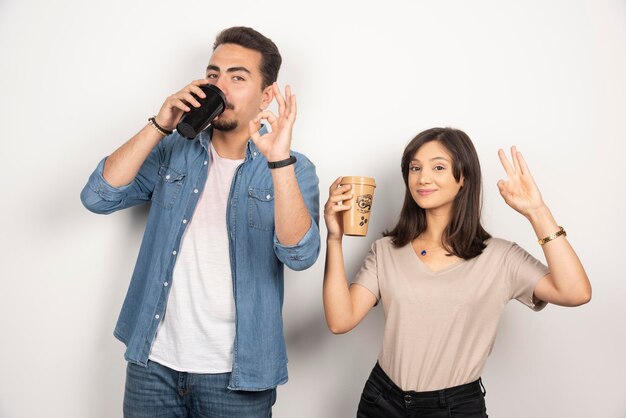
334 208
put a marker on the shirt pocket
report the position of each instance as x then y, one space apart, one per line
261 209
168 186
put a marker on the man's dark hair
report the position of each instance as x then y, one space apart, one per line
464 236
251 39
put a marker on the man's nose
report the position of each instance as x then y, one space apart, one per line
220 83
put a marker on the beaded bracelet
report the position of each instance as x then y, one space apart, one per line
158 127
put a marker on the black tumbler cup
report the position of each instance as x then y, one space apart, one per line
199 118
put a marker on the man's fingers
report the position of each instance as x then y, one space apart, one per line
253 131
179 104
293 108
189 99
278 95
279 99
268 116
197 91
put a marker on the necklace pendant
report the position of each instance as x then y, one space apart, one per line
423 253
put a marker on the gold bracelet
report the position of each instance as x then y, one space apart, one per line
549 238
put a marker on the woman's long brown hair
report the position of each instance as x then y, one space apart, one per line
464 236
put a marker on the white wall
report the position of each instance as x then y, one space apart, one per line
78 78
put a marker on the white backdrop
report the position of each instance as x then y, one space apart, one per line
78 78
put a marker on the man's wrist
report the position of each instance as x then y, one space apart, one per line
160 129
161 124
277 156
272 164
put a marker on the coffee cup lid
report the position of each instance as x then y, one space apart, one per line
358 180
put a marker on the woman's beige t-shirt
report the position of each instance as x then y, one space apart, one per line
441 326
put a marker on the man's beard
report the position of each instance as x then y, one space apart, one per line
224 125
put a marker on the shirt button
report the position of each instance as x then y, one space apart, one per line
206 162
165 284
156 316
195 190
254 153
268 197
174 252
167 177
184 221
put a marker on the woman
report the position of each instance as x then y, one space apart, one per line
443 281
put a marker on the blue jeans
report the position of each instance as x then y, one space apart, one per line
157 391
382 398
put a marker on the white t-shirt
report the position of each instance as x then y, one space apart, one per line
198 330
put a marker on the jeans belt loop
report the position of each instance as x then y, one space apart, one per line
442 398
388 389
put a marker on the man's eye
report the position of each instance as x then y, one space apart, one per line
211 76
238 78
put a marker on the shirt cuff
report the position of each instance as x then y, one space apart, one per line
303 254
99 185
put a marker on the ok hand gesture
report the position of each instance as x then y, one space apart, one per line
275 145
520 191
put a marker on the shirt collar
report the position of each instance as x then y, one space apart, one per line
251 149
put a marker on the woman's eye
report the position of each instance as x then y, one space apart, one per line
439 168
414 168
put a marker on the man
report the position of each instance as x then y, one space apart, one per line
202 319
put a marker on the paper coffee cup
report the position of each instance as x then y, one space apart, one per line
356 219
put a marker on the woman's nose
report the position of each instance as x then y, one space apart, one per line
423 178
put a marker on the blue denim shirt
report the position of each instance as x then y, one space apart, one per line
172 178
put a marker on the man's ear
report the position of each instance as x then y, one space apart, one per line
268 96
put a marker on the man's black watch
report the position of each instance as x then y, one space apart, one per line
282 163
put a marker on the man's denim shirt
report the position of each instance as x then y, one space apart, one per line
173 177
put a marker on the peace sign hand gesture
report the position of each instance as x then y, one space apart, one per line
275 145
520 191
